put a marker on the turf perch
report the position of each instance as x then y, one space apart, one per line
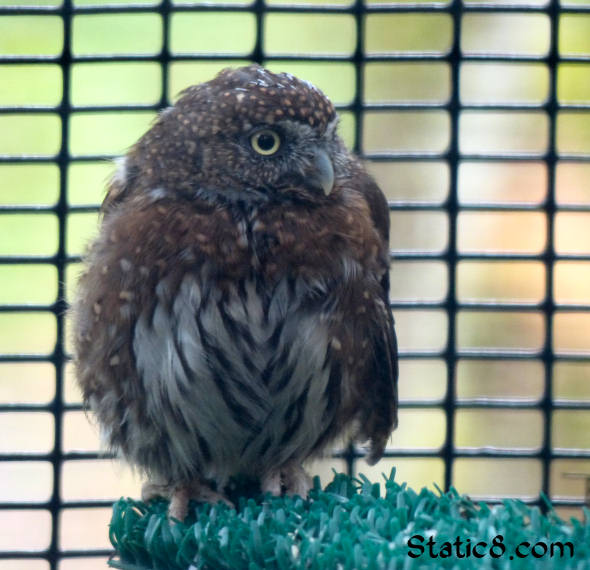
351 524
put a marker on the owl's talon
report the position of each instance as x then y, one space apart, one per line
180 496
196 491
204 494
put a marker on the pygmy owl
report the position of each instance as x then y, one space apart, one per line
233 315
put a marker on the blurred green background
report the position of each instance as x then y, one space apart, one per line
510 184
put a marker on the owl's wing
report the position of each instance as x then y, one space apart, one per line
381 383
380 398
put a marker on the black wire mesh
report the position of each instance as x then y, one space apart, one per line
455 355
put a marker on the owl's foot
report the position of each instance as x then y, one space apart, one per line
292 478
180 495
271 483
178 508
297 481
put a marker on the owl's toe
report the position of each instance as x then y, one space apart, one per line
180 495
296 480
197 491
271 483
203 493
290 479
178 508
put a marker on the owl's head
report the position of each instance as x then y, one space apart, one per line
247 133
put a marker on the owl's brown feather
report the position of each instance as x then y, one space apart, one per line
233 317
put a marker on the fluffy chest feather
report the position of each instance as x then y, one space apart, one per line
247 368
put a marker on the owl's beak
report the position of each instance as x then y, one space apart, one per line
321 171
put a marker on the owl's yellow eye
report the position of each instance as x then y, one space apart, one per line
265 142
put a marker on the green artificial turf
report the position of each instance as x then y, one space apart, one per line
351 524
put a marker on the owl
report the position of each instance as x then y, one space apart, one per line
233 316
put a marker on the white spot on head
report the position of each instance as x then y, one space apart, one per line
125 264
309 85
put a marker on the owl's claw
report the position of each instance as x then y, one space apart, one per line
180 495
293 478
